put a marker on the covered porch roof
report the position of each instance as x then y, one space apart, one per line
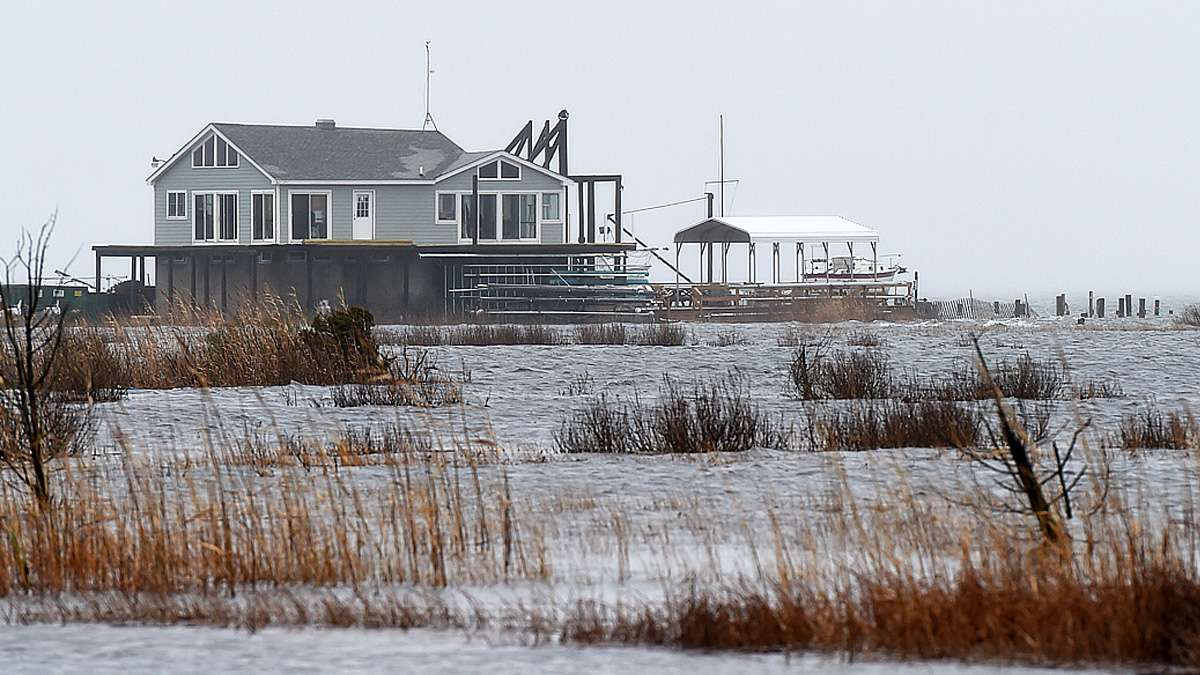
803 229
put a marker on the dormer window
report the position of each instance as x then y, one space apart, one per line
214 152
499 170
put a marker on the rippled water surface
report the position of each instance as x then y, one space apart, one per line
518 396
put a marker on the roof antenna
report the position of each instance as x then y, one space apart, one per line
428 72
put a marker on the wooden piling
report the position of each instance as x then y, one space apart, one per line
1156 307
1128 304
1091 304
1060 305
1100 308
1120 307
1018 308
1141 308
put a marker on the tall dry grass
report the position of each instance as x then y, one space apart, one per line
208 527
703 418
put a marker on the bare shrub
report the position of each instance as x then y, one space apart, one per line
729 338
1190 316
717 417
1093 388
816 372
864 338
413 379
1151 428
1023 378
871 425
661 335
794 335
601 334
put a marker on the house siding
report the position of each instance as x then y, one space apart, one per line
181 177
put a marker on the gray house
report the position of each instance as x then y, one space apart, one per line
401 221
269 184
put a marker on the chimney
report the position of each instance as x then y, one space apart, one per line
323 123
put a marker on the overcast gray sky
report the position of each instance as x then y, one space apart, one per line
1000 146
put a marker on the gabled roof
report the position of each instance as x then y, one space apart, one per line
343 153
808 229
288 153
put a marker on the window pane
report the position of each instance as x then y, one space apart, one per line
198 215
198 156
528 216
268 216
256 216
208 217
221 152
229 217
233 157
550 206
209 151
509 170
300 217
446 207
510 227
488 170
362 205
464 230
487 216
319 223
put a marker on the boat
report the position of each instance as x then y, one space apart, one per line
846 268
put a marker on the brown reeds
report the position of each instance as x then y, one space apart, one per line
816 373
601 334
475 335
1025 610
660 335
1151 428
872 425
701 419
203 528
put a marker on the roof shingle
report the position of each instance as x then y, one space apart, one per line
344 153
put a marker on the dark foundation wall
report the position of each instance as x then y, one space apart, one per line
393 284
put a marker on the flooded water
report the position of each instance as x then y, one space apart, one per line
101 649
518 396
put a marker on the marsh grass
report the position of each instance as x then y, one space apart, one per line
660 335
1151 428
601 334
816 373
206 528
476 335
1190 316
872 425
702 418
864 338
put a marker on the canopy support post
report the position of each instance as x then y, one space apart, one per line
828 262
724 263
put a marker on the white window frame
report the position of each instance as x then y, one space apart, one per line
328 212
536 239
274 216
237 217
500 170
542 207
203 146
186 197
437 211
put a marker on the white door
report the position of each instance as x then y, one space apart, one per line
364 214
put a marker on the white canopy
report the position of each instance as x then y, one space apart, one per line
807 229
